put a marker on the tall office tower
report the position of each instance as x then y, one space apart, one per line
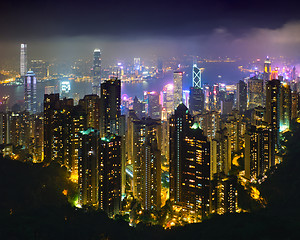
58 123
214 98
36 147
186 97
153 108
51 102
258 116
235 130
274 73
146 136
110 110
177 77
196 105
209 123
256 94
40 68
259 151
189 163
168 100
110 174
21 129
207 98
224 195
165 140
221 148
5 124
91 106
180 123
96 71
88 166
132 117
267 70
285 107
272 108
195 172
30 92
122 134
23 60
78 124
295 105
241 96
196 77
138 107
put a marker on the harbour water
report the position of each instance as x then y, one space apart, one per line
214 72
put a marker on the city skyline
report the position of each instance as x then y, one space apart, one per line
168 119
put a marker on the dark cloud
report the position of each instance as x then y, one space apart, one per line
44 18
124 29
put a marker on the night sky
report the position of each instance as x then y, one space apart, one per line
203 27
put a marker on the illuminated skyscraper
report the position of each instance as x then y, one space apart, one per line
110 174
241 98
96 71
88 163
110 110
255 93
285 107
91 105
153 108
180 123
23 60
196 77
30 92
259 151
224 195
146 139
267 70
196 100
168 100
177 76
272 107
189 163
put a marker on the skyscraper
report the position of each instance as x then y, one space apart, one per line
285 107
168 100
255 93
146 145
196 77
177 76
30 92
272 107
96 71
23 60
110 110
196 100
189 163
259 151
91 105
267 70
110 174
180 123
241 98
88 162
153 107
